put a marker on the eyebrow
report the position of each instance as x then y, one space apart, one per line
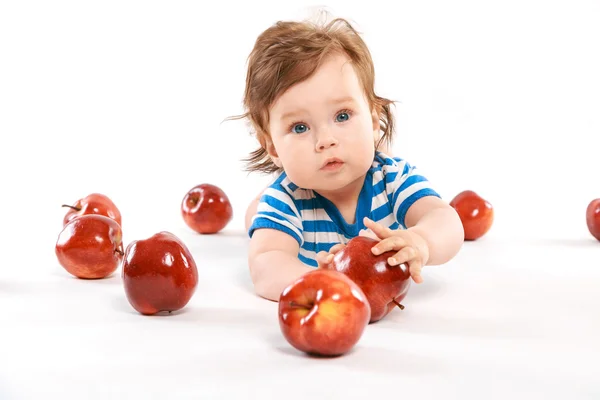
292 114
346 99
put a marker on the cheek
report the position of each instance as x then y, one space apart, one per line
292 150
363 131
299 144
363 145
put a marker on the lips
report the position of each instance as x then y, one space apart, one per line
331 161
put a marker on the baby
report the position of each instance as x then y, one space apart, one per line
324 133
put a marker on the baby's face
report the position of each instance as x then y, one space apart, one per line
324 118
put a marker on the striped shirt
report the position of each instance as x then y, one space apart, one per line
391 186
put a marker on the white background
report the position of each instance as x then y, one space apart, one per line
129 98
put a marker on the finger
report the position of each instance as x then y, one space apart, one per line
379 230
323 258
368 233
389 244
334 249
407 254
415 267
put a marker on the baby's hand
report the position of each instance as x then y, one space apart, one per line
368 233
411 248
325 258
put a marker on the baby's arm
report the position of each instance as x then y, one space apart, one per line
433 233
253 208
274 263
251 211
438 223
420 209
433 236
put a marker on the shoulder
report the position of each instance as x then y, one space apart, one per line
284 190
397 174
283 185
278 209
388 167
402 182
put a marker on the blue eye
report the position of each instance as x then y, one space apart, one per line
299 128
342 117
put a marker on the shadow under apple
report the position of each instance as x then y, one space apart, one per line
430 287
113 279
207 316
370 359
277 342
288 350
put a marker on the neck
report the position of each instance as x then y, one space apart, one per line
346 196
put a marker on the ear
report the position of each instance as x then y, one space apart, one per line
376 125
272 151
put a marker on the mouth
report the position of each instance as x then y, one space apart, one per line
332 163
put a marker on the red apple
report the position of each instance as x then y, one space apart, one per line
476 214
159 274
593 218
90 246
95 203
384 285
323 313
206 209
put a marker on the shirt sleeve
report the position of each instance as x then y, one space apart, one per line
404 185
277 210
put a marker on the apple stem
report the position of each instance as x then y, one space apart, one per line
120 252
398 304
293 304
73 207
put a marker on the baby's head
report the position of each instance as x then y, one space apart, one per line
310 98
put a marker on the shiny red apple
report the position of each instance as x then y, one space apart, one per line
476 213
323 313
95 203
90 246
159 274
384 285
592 215
206 209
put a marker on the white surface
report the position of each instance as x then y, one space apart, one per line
128 99
505 319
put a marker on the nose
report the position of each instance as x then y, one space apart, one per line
325 141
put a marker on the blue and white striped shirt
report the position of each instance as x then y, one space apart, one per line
391 186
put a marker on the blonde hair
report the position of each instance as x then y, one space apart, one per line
289 52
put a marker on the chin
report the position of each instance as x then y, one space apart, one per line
323 181
302 182
339 182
